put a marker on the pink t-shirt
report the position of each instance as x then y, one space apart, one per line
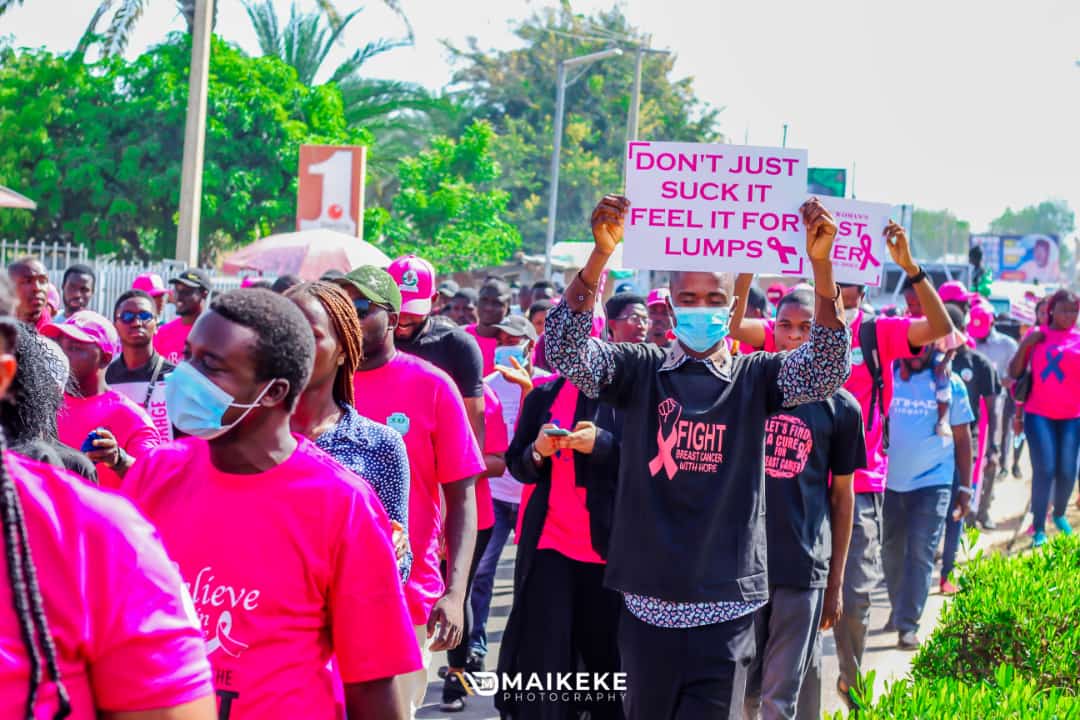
487 348
1055 375
126 636
133 428
422 403
286 567
566 527
892 337
170 339
495 443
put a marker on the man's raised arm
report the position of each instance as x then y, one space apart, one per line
585 361
818 368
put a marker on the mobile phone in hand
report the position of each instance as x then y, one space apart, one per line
556 432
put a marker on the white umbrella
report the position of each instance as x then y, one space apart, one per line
12 199
307 254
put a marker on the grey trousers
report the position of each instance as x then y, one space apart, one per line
787 632
862 575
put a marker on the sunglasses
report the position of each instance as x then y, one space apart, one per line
127 317
364 307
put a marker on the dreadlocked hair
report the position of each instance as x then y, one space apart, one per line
26 594
346 326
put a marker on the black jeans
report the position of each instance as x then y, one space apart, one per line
686 673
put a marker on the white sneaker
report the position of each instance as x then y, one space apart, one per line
908 641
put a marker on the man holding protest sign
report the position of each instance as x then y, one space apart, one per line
688 541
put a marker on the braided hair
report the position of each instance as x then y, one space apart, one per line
346 325
25 590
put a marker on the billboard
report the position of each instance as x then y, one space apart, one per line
330 188
1025 258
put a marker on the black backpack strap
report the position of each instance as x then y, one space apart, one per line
868 344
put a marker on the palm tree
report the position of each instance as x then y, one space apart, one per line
126 13
394 111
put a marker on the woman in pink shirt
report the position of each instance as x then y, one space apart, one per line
562 611
94 622
112 430
1052 410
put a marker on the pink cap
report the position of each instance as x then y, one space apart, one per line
954 292
52 297
658 296
982 319
88 327
150 283
776 291
415 278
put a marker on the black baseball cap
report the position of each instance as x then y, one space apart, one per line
517 326
195 277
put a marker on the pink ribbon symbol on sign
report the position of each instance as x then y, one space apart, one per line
669 412
784 252
867 254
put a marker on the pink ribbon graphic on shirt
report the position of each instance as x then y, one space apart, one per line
865 241
669 412
222 639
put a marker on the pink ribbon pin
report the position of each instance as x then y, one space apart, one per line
867 256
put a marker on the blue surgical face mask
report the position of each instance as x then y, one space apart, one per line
503 353
197 406
701 328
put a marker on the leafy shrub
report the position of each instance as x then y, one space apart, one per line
1006 646
1019 611
1007 695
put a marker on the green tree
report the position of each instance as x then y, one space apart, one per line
1050 217
99 146
447 209
936 233
515 91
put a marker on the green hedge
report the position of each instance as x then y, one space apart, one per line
1007 695
1006 646
1020 611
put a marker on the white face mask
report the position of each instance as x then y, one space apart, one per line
850 314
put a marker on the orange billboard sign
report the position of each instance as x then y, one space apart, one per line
330 188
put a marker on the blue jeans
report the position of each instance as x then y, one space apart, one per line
952 533
484 582
912 524
1054 445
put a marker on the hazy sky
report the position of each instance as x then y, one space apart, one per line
971 106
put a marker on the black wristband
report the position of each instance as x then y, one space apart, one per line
918 278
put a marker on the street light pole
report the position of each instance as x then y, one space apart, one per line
632 120
187 235
560 102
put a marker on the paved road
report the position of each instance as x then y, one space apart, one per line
881 654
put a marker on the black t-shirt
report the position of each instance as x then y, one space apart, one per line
804 446
452 350
689 521
979 376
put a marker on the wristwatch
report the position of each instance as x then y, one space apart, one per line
537 458
966 489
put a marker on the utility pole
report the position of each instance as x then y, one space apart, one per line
556 150
633 116
187 236
783 141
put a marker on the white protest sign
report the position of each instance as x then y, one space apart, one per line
732 208
136 393
859 249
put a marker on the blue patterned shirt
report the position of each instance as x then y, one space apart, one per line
377 454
